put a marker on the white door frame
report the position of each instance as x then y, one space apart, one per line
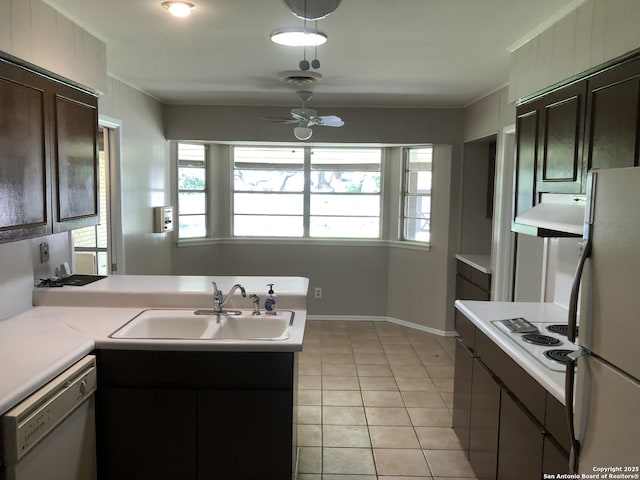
116 240
503 238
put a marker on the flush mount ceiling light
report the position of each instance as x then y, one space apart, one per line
178 8
298 37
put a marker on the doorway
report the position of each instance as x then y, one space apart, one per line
97 249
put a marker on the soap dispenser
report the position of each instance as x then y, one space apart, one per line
271 301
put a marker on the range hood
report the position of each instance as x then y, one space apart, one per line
557 215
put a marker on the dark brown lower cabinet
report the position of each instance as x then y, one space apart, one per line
230 451
509 425
196 415
521 442
151 433
484 422
555 459
462 393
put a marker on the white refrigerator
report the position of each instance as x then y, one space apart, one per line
603 399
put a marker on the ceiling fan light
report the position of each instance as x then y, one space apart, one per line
298 37
178 8
302 133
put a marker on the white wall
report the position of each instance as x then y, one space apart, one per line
34 32
597 31
145 176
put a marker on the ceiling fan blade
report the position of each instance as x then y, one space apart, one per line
279 120
330 121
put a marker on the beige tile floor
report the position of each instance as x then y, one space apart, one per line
375 404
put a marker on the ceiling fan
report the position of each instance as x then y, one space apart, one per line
305 118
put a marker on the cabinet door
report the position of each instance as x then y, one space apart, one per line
462 393
245 434
612 117
559 168
555 460
147 434
24 153
76 165
521 441
526 155
484 422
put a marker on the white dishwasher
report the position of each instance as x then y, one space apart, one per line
51 434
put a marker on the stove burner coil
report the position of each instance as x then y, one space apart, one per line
559 355
539 339
561 329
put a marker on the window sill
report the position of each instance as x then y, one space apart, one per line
337 242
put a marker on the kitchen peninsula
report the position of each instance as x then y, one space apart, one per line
156 397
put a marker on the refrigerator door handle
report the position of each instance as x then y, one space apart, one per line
592 177
569 400
575 287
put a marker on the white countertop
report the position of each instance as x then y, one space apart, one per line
68 322
172 291
479 261
482 313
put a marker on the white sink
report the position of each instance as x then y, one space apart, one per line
274 327
176 324
187 325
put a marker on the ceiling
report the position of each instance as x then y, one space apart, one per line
380 53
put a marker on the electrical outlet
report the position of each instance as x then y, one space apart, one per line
44 252
318 292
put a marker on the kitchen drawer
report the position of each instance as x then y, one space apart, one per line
516 379
481 279
555 422
466 330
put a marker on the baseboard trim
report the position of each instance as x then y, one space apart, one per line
397 321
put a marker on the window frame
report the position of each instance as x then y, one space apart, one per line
204 190
308 193
406 194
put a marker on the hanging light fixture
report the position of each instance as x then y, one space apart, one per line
312 9
302 132
178 8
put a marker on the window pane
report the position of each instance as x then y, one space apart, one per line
268 203
419 182
417 229
85 237
345 181
344 227
267 226
346 158
366 205
192 226
250 156
268 180
417 194
191 178
191 154
192 202
417 206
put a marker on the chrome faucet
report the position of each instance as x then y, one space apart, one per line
219 300
256 304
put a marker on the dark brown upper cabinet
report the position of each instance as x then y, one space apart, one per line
611 139
559 167
76 168
591 122
48 155
24 155
526 156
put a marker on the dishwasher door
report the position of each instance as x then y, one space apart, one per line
51 434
